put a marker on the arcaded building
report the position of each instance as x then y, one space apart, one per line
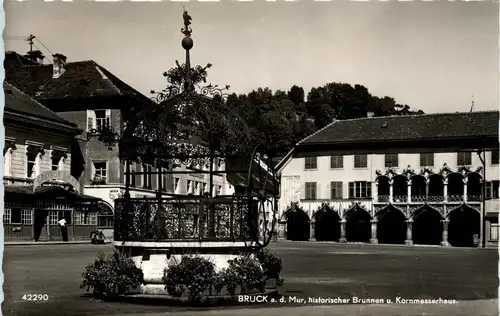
421 179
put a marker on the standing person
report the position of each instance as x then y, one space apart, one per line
64 229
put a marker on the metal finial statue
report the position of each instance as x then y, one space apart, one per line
187 21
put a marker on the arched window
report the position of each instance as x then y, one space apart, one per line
105 217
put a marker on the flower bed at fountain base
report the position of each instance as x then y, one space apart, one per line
173 271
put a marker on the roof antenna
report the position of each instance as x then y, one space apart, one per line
472 107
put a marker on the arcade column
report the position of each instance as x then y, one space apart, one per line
409 232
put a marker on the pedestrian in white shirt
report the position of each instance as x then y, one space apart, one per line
64 229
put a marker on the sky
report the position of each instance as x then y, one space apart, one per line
433 56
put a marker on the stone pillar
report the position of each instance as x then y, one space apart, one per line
374 239
409 233
445 242
445 190
409 191
342 231
311 230
465 189
391 190
427 181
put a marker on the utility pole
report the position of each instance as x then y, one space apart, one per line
30 41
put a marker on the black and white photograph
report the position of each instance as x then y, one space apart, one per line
267 158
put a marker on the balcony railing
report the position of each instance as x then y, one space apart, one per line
383 198
455 198
418 198
399 198
185 219
429 199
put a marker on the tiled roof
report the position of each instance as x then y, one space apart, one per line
82 79
14 60
18 102
411 127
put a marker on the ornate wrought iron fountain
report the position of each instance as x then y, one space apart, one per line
192 125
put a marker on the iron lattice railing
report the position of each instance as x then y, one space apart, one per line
186 219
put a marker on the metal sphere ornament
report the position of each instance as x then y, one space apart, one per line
187 43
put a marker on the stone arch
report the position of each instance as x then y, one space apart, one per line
358 224
427 226
383 188
327 225
391 226
474 186
436 188
455 186
297 224
400 188
418 188
464 223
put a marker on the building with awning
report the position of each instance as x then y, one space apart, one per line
43 168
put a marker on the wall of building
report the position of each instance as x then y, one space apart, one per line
294 175
18 160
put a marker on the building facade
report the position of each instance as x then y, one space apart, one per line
361 181
42 173
90 96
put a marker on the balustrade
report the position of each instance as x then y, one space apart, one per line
428 196
186 218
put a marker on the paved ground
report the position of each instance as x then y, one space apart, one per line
310 270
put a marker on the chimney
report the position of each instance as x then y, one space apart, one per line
59 66
370 114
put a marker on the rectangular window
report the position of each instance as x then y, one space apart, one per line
97 119
337 162
82 218
494 157
336 190
53 217
6 216
31 172
360 189
310 191
391 160
488 190
310 163
15 216
101 119
464 158
146 176
494 188
494 232
26 218
100 172
360 161
427 160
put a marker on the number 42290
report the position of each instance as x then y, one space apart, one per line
35 297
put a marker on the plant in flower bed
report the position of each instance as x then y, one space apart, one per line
112 275
244 273
196 277
271 264
194 274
